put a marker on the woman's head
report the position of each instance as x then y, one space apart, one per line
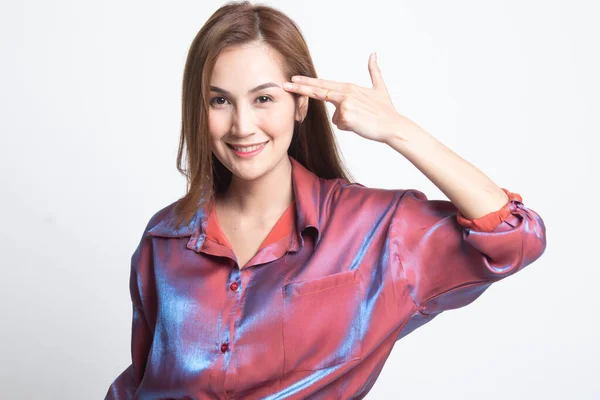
239 47
241 116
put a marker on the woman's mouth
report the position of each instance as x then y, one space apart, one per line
247 151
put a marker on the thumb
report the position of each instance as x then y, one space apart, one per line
375 73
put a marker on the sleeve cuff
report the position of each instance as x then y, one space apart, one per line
490 221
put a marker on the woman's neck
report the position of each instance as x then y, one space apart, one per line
271 193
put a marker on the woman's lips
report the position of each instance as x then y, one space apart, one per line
245 153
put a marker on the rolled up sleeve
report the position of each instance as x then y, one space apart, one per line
490 221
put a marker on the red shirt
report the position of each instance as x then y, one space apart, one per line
315 313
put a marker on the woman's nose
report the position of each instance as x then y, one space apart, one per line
243 124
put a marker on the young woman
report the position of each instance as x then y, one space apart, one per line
277 277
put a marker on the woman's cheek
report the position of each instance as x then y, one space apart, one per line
216 128
278 121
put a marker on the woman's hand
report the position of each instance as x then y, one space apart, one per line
369 112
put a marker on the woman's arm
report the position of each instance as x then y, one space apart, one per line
125 386
471 191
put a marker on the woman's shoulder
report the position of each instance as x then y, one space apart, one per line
355 193
163 222
358 207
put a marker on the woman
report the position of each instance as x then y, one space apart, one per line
277 277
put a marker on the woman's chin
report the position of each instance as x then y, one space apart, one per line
249 173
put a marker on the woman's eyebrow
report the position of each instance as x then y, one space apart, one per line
256 89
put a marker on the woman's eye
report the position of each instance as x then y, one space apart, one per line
265 97
215 99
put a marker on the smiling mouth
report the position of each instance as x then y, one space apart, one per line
247 149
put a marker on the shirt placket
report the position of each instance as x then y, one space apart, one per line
224 377
232 315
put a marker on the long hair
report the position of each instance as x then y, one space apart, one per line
237 23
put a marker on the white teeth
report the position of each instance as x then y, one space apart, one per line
248 149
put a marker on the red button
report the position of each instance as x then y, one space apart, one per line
234 286
224 347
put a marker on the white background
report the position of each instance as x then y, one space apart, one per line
89 124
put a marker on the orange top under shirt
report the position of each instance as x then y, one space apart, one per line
282 228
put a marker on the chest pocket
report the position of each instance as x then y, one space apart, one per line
322 321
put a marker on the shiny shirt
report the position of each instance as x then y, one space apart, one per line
345 273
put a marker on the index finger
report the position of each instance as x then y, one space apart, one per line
323 83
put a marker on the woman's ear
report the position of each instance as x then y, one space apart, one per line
301 108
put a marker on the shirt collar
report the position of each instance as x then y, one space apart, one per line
307 192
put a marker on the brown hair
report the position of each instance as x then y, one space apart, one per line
236 23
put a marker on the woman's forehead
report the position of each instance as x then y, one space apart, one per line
255 64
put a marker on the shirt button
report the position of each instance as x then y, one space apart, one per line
224 347
234 286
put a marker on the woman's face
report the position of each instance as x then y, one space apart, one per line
249 107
